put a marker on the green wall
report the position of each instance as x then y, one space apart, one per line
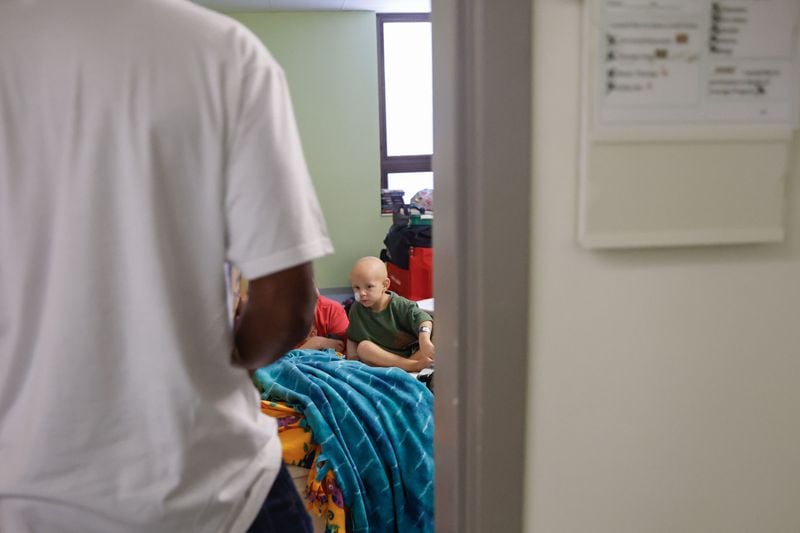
330 60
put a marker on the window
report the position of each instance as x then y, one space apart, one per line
405 83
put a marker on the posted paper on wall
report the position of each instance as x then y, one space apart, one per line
696 62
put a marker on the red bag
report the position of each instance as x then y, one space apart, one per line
416 283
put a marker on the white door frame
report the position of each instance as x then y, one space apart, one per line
482 146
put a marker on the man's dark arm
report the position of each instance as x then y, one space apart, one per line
278 315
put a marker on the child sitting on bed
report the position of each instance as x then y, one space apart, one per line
330 323
330 326
385 328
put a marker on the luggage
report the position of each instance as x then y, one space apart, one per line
415 282
408 230
409 253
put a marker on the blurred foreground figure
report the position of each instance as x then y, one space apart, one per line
142 145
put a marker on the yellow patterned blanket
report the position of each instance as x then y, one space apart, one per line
324 497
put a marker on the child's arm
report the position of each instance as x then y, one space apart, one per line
321 343
372 354
426 347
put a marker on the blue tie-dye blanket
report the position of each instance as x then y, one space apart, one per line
375 428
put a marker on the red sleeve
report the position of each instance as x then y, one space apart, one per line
330 319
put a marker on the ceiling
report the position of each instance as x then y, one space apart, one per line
379 6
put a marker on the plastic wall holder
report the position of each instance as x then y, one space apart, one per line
681 143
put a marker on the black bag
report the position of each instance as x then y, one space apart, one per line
402 213
402 235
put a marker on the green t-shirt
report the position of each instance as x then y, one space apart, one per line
394 329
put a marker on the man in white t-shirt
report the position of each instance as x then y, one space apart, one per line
142 145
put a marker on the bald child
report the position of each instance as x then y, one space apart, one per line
385 328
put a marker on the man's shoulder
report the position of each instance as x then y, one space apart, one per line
220 35
185 19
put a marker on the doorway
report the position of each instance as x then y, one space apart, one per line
482 145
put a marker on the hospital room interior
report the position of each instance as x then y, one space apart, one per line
617 268
368 146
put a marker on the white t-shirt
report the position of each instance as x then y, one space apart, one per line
142 144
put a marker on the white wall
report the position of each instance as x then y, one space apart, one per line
665 384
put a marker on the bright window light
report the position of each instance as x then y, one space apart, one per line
409 88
